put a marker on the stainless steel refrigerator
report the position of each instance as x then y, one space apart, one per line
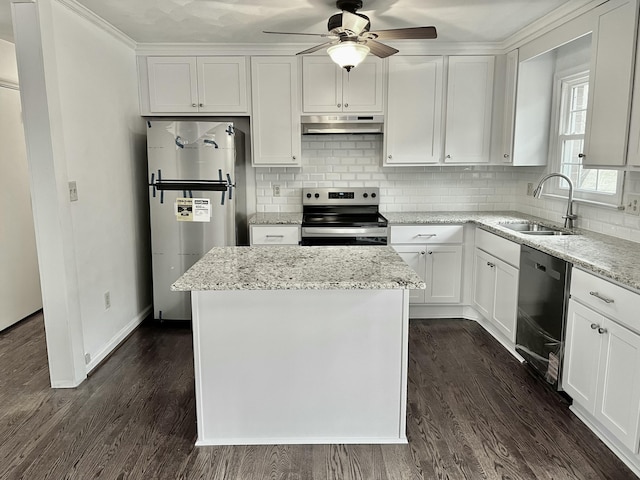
193 198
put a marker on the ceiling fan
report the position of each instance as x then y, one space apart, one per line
351 40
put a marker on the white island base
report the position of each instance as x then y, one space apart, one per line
300 366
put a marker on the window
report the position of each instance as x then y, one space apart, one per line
589 183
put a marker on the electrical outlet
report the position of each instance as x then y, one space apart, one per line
529 189
276 190
73 191
87 358
632 205
107 300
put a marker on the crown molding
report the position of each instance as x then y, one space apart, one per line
552 20
405 47
98 21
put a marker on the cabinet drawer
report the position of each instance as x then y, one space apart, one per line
607 298
499 247
426 234
275 235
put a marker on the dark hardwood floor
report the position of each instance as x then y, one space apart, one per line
474 413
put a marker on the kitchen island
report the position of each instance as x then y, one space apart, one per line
300 345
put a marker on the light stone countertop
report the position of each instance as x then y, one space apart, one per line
276 219
299 268
604 255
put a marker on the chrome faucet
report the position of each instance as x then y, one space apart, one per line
569 217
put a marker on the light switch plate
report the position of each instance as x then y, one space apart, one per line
73 191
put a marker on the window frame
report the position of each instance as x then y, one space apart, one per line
557 186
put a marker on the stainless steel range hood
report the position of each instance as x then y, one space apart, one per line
323 124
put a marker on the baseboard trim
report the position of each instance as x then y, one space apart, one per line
601 432
303 441
118 338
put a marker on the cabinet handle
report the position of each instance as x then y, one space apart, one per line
506 155
274 236
194 105
346 105
594 326
294 157
491 264
602 331
582 155
390 157
448 156
422 253
600 297
430 253
428 235
339 105
202 104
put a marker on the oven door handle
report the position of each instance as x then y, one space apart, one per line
332 232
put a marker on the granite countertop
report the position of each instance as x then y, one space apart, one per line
276 219
604 255
299 268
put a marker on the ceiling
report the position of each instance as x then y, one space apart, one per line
242 21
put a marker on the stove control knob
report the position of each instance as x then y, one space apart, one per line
365 195
317 195
308 195
373 195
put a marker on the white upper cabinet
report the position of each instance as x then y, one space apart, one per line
413 122
509 118
633 157
610 84
327 88
275 120
197 85
469 109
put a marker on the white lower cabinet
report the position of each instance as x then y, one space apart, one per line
495 292
602 358
438 264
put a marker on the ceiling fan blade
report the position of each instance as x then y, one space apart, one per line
380 49
353 23
325 35
416 33
316 48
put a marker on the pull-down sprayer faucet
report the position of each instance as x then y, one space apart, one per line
569 217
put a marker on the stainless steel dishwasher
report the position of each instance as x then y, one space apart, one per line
543 296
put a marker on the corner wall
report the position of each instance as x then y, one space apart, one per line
19 278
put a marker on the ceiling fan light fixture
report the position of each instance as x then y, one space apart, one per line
348 54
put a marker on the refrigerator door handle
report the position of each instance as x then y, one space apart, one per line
230 185
191 185
153 183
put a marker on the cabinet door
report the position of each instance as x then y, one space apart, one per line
469 104
362 86
484 282
505 299
321 85
582 350
222 84
414 256
509 118
443 274
610 83
618 397
414 111
173 84
275 120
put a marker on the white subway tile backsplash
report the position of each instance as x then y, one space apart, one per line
344 161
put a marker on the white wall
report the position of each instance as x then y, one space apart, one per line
19 279
82 124
105 145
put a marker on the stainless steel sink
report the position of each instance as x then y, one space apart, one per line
534 228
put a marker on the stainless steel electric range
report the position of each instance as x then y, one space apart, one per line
342 216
